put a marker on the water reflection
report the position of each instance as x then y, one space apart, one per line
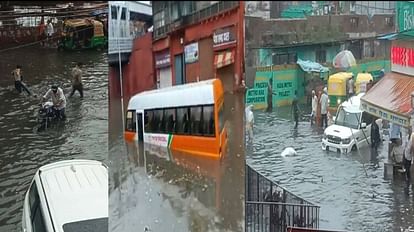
350 189
157 189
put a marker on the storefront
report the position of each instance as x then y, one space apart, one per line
224 46
390 98
163 69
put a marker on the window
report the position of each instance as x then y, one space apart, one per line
367 118
148 117
175 11
169 120
221 118
123 13
284 58
354 22
114 12
182 126
36 214
131 121
196 120
186 7
158 116
321 56
208 120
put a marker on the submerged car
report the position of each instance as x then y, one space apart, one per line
67 196
351 128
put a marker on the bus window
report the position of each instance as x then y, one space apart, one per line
148 116
131 121
182 126
208 120
221 118
169 115
195 113
158 114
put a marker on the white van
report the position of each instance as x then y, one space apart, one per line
65 196
351 128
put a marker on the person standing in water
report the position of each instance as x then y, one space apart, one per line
314 107
295 109
18 80
77 80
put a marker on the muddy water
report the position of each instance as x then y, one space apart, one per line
160 190
22 150
350 189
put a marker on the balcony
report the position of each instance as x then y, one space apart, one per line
195 17
122 45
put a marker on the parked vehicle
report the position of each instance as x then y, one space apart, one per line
45 116
83 33
337 88
361 82
351 128
69 195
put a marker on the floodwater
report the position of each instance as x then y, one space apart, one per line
22 151
154 189
351 189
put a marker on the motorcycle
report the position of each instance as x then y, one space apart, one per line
46 115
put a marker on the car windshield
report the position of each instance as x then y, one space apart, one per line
91 225
347 119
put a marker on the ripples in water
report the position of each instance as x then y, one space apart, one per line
22 150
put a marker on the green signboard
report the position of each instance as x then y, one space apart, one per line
405 15
257 96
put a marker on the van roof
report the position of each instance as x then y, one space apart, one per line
76 190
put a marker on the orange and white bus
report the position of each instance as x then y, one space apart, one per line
186 118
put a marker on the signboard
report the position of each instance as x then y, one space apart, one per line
257 96
162 60
385 114
402 60
224 36
191 53
405 15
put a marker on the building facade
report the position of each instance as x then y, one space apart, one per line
198 40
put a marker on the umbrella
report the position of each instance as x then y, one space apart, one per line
344 60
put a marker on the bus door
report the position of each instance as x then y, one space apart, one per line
140 127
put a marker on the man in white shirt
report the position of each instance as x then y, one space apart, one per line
324 107
350 87
58 99
49 31
249 122
408 154
314 106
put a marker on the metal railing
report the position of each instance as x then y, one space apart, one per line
272 208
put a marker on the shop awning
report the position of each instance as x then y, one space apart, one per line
390 98
310 66
223 59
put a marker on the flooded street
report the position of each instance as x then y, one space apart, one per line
350 198
153 189
83 135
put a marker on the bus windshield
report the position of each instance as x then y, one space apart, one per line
347 119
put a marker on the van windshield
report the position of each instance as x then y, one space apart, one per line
347 119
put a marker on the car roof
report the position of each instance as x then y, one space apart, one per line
75 190
353 105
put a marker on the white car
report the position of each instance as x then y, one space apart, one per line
351 128
69 195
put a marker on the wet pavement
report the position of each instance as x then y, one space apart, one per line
22 150
350 189
154 189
